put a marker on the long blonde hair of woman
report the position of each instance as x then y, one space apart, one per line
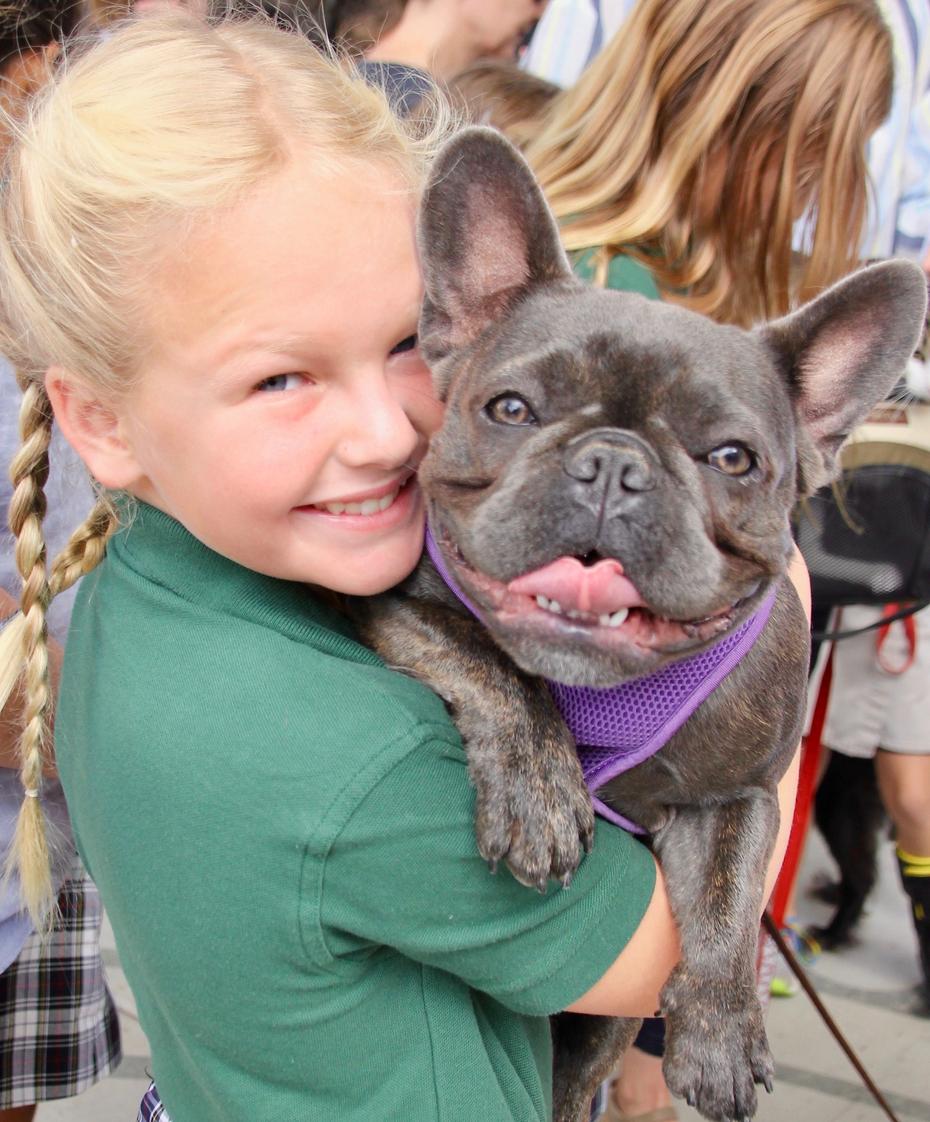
705 129
144 135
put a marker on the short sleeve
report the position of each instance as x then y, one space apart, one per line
404 871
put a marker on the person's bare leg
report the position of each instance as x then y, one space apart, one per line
640 1087
904 782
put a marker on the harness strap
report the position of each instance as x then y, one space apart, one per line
618 727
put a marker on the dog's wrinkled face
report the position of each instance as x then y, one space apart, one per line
613 481
602 495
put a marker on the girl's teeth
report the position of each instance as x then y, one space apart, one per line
368 507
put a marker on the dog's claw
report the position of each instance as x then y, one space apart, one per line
541 829
492 865
714 1061
567 880
767 1083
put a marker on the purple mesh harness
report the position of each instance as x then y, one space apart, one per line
618 727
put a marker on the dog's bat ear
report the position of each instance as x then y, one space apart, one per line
485 237
842 353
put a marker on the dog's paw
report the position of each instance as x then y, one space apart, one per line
539 821
715 1055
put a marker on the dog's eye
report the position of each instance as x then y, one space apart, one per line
510 409
732 459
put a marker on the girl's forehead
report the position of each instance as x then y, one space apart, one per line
325 212
296 256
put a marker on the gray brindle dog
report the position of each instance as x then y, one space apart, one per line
586 426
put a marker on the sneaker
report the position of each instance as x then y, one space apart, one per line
783 986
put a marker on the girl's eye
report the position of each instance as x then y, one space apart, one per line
407 344
732 459
278 382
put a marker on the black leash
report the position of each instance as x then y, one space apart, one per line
801 974
903 613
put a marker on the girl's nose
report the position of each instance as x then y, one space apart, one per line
378 429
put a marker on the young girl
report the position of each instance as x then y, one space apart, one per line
208 271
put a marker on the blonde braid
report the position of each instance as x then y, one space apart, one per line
86 547
28 472
24 647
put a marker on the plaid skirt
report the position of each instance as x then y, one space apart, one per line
59 1031
152 1108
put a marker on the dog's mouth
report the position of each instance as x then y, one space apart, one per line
588 598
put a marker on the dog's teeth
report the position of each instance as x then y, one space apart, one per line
614 619
555 606
542 601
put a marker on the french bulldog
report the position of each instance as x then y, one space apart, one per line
611 491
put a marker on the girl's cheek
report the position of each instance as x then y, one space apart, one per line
426 408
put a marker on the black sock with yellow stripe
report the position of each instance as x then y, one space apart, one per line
915 877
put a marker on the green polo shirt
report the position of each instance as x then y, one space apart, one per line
281 829
623 273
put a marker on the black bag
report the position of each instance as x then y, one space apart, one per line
866 539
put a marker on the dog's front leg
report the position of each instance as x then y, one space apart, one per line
532 809
714 860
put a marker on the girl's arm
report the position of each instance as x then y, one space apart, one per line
630 987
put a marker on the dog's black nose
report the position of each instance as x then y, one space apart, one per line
613 457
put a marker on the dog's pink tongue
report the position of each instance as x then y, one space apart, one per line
600 588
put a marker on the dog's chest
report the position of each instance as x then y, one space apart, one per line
618 728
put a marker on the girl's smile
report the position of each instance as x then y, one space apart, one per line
371 510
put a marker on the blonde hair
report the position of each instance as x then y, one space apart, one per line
777 97
137 139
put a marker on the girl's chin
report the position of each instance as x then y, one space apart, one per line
372 571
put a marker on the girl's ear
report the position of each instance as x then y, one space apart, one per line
93 428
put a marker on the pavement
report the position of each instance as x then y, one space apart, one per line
868 989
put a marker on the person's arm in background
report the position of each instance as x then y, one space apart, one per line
631 986
11 714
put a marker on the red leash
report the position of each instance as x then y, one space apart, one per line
910 631
811 749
